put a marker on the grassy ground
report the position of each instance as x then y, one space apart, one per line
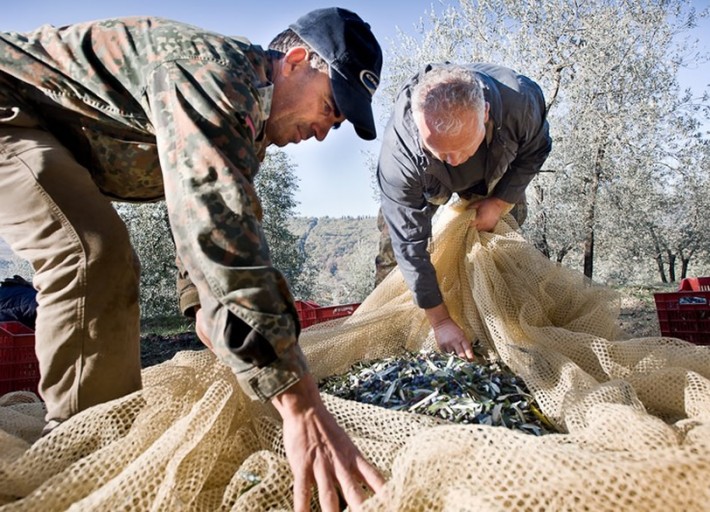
163 337
638 317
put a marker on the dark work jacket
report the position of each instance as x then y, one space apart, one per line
413 183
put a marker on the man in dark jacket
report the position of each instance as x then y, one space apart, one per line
477 130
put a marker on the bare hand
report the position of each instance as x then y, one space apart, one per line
320 452
452 340
488 213
449 336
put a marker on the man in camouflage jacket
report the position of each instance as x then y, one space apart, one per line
137 109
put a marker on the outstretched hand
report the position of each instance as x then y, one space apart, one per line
317 448
451 340
320 452
449 336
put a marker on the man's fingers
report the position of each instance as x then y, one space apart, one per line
468 350
352 491
370 475
301 493
349 481
327 490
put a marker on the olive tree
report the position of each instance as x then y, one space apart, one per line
276 184
150 234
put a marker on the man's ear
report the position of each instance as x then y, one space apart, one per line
293 58
485 115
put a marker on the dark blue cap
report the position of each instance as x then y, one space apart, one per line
347 44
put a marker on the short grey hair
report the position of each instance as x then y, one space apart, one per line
447 90
289 39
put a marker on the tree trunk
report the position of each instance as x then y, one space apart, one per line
589 252
684 264
685 256
661 268
671 266
659 254
562 253
542 243
591 211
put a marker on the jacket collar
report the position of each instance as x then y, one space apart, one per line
492 96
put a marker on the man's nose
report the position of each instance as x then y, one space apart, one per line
454 160
320 130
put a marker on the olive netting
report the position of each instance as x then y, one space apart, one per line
633 414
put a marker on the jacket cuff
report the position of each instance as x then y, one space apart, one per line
264 383
189 300
427 300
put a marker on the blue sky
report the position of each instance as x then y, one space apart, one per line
333 175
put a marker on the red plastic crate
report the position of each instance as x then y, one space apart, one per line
19 368
310 313
685 314
696 284
302 305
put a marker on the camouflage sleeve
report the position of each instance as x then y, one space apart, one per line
205 116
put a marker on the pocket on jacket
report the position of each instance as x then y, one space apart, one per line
125 169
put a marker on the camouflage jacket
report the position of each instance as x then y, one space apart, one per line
155 108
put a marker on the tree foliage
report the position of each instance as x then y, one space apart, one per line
151 238
276 185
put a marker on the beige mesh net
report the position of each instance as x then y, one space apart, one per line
634 414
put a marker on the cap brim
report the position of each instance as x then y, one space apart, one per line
355 104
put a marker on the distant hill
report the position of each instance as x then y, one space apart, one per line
327 240
323 236
341 252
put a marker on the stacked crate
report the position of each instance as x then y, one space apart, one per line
310 313
685 314
19 368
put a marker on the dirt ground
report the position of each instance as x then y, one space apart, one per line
637 319
156 348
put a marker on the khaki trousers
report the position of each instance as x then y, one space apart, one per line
86 273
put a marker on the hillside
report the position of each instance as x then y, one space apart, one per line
340 251
329 240
341 255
